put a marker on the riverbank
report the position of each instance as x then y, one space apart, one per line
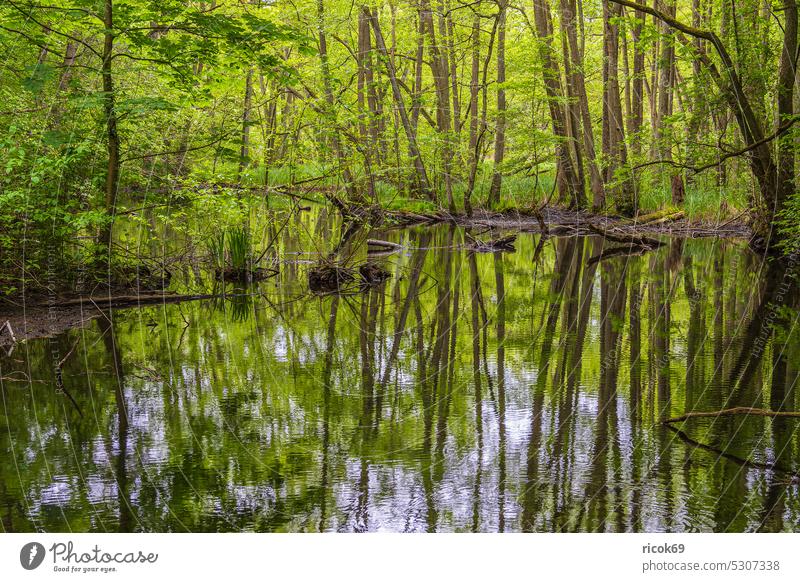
43 315
558 221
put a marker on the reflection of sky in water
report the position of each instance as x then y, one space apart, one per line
238 430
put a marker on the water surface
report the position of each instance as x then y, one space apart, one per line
469 392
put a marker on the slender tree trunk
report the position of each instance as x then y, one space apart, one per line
244 152
441 75
576 87
331 109
367 115
665 104
112 137
614 149
500 131
479 150
786 77
451 51
637 86
570 188
474 88
419 166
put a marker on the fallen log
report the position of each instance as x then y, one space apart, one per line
669 218
620 237
145 298
628 251
382 246
329 278
372 274
505 243
405 217
665 215
731 412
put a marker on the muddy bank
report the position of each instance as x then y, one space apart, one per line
37 320
40 322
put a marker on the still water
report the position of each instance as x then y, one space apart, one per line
517 391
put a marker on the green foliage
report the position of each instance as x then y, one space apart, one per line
216 250
239 248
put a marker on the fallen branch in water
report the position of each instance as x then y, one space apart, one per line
382 246
731 412
731 457
145 298
668 218
628 251
625 238
505 243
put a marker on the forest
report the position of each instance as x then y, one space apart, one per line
112 109
417 265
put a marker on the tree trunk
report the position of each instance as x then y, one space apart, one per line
614 149
500 131
441 79
419 166
785 98
331 110
576 88
570 189
474 87
112 137
244 152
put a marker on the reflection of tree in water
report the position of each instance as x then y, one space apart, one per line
471 391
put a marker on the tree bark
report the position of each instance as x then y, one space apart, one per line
570 189
500 130
112 136
576 88
614 149
441 79
244 152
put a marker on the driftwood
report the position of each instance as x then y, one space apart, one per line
657 217
731 412
123 300
327 278
628 251
669 218
244 275
382 246
505 243
562 230
406 218
620 237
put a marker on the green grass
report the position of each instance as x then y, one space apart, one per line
704 201
216 249
239 248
